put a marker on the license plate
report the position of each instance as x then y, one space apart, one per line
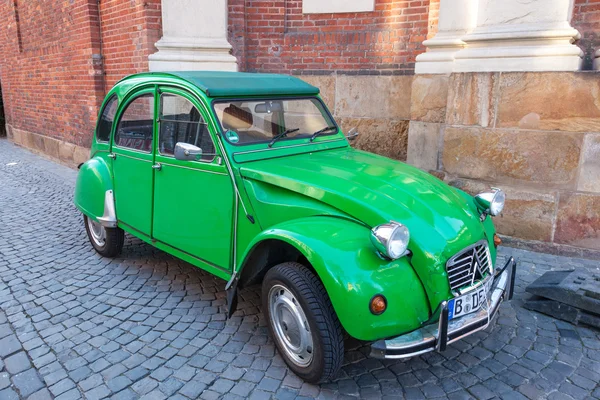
469 302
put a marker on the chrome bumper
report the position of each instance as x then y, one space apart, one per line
437 336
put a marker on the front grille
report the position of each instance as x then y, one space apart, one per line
469 266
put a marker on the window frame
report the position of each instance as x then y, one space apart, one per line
264 98
104 106
176 91
123 109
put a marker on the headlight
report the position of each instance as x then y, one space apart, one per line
491 202
390 239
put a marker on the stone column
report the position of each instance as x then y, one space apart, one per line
194 37
456 19
532 35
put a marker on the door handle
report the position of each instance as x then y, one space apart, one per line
112 155
157 166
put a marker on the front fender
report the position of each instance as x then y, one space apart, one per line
341 253
93 181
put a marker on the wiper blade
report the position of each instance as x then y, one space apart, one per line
282 134
320 131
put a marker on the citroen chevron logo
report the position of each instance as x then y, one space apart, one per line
475 269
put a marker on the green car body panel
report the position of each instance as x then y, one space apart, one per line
321 197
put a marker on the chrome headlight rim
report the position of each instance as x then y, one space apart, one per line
385 236
491 202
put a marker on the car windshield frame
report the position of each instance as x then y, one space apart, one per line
266 98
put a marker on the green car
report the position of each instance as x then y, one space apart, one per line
248 177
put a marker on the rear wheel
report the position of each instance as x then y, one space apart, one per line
108 242
302 321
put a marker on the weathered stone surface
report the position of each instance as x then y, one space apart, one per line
326 84
566 101
471 99
381 136
65 151
527 214
51 146
423 144
589 177
373 96
429 98
81 154
578 220
511 156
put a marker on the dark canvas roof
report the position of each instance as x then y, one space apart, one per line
222 83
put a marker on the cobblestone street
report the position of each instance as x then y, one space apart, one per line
76 325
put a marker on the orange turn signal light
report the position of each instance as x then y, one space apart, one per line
378 304
497 240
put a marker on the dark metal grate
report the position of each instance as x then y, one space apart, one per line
469 266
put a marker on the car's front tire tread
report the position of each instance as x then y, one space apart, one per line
115 237
313 293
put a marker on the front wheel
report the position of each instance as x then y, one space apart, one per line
108 242
302 321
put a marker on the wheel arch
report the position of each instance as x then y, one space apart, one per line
339 253
94 191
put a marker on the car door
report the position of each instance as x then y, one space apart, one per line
133 159
193 200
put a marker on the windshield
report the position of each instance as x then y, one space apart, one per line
255 121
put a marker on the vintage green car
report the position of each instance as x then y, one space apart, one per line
249 177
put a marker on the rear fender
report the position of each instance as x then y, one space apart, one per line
94 191
352 272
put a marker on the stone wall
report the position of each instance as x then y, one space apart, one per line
377 106
536 135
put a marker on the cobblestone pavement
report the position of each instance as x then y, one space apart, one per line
75 325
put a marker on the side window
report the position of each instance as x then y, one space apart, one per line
180 121
135 127
106 120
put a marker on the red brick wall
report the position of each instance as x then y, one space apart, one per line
129 31
275 36
51 59
586 18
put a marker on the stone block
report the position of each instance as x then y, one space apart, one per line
65 151
373 96
510 156
81 154
380 136
429 98
578 220
527 214
589 177
423 145
326 84
471 99
566 101
51 146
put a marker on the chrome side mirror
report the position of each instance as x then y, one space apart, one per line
352 134
187 152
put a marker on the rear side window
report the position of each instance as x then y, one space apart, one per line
135 127
106 120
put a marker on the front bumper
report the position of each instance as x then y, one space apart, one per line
437 336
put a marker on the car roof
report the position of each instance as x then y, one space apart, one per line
233 84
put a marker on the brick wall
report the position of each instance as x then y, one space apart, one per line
586 19
275 36
51 60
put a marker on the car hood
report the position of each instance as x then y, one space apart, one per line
375 190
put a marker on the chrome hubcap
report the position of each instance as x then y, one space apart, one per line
290 326
97 232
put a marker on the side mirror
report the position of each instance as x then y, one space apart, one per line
187 152
352 134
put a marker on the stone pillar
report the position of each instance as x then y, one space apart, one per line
510 35
194 37
456 19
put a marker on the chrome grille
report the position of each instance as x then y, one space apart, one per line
469 266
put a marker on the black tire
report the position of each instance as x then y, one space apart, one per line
113 241
325 328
